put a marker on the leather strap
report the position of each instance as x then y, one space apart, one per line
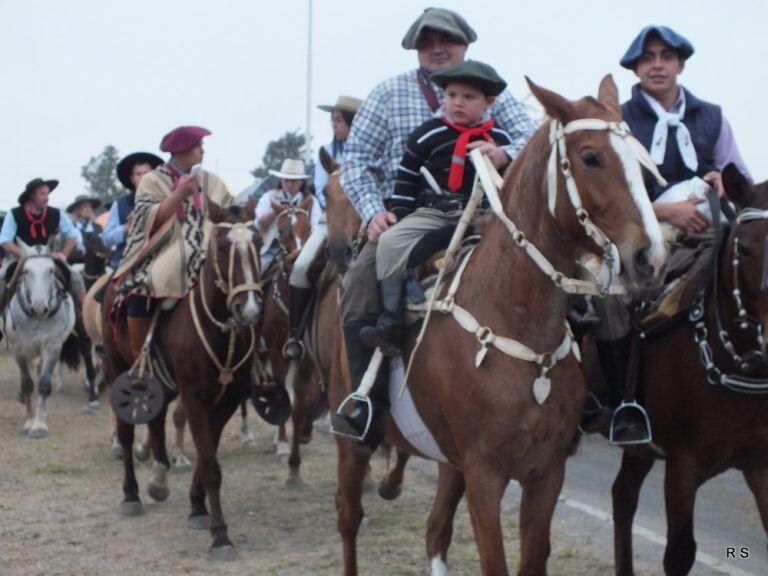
428 91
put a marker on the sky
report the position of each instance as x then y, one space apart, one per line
76 76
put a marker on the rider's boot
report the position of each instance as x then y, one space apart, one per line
354 423
138 328
387 334
293 349
629 423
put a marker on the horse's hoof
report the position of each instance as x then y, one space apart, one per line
87 410
283 451
199 522
225 553
246 439
94 404
294 483
141 453
181 465
131 509
158 493
388 491
38 432
305 439
117 452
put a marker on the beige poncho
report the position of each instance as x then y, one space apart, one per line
166 263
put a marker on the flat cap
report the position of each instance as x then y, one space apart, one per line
183 138
474 73
440 19
678 43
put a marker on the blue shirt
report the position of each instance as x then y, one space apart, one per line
8 232
114 233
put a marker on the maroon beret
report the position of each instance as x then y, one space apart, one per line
183 138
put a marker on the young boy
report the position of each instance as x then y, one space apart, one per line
440 145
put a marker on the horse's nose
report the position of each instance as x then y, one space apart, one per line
643 267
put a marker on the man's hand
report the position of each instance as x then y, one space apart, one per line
59 256
715 179
683 215
379 224
497 155
188 185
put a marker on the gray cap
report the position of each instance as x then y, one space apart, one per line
474 73
440 19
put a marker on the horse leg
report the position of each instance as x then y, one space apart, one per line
485 488
50 358
299 415
117 449
681 481
757 480
58 378
141 447
158 485
536 508
450 489
131 505
391 485
205 427
84 345
282 447
352 468
181 462
27 387
246 436
626 493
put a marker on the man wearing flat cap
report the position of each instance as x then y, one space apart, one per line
129 170
164 248
394 109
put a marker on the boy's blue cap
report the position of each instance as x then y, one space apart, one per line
679 43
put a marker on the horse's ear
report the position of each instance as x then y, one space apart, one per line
279 207
250 208
327 162
306 203
64 272
216 213
608 94
736 186
555 105
10 271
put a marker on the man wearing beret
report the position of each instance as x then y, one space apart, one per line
164 248
376 145
129 170
36 223
691 142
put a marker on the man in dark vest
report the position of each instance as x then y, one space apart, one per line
691 142
130 170
35 223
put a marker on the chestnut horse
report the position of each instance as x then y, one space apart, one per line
704 418
294 228
212 323
512 415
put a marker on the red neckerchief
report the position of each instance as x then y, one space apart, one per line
456 175
36 222
175 175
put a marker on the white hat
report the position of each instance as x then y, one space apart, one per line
291 170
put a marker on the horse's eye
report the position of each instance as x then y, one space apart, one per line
590 159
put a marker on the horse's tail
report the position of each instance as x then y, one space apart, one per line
70 353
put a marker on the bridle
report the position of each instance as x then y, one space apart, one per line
291 213
16 281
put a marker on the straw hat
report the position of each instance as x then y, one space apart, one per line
291 170
343 103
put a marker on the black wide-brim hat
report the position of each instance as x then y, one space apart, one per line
32 184
125 166
474 73
84 199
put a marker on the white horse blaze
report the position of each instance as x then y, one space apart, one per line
637 189
236 236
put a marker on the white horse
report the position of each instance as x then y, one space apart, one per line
37 321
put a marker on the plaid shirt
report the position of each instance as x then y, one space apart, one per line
380 132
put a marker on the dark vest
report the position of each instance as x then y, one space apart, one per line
703 121
24 228
125 205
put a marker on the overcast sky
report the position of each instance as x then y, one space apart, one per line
81 74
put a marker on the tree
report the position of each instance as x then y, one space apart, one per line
289 145
99 173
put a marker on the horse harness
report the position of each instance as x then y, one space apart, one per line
62 288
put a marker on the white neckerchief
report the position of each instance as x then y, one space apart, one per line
672 119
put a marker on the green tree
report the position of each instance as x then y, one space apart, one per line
289 145
99 174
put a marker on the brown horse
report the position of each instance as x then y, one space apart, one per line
703 421
502 415
194 338
294 228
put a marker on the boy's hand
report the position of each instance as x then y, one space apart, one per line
497 155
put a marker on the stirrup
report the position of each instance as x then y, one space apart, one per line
340 414
630 407
298 343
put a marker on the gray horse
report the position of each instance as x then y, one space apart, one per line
37 321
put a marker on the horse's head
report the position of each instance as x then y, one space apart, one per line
744 262
343 220
39 281
595 167
293 224
234 263
95 247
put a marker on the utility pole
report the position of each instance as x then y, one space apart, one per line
308 128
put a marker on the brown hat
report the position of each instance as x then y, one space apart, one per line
32 184
343 103
440 19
